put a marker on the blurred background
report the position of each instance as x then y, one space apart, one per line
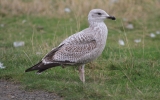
128 69
130 9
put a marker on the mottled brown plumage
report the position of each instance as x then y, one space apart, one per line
80 48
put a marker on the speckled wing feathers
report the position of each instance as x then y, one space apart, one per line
73 49
79 48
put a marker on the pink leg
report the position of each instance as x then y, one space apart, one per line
81 73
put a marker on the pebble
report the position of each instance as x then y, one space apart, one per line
18 43
24 21
137 40
121 42
130 26
2 25
152 35
157 32
1 66
67 10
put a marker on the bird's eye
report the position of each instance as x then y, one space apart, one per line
99 13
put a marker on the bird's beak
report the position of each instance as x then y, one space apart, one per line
111 17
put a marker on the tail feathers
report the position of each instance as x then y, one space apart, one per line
35 67
41 67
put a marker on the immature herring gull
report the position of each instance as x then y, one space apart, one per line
80 48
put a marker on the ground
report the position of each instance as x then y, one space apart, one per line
14 91
128 72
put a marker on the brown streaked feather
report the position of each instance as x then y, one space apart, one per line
53 51
35 67
41 66
84 47
45 67
74 52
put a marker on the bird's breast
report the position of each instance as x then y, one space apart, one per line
100 35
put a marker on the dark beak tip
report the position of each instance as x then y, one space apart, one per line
112 17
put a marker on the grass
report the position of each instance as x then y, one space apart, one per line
55 8
121 72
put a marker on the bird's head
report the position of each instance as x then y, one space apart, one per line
99 15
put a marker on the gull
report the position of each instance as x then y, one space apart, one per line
79 48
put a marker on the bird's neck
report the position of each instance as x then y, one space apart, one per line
100 32
95 24
98 25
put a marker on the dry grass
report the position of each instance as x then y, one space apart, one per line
131 9
129 72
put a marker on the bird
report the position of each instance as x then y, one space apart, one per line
79 48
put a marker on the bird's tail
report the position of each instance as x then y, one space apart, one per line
41 67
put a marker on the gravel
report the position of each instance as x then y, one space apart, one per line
14 91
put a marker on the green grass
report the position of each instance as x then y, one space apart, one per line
130 72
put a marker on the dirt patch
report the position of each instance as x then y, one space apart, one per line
14 91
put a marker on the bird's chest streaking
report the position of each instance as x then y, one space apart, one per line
84 46
100 36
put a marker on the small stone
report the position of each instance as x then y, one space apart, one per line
2 25
67 10
12 97
121 42
1 66
18 43
157 32
152 35
130 26
137 40
24 21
